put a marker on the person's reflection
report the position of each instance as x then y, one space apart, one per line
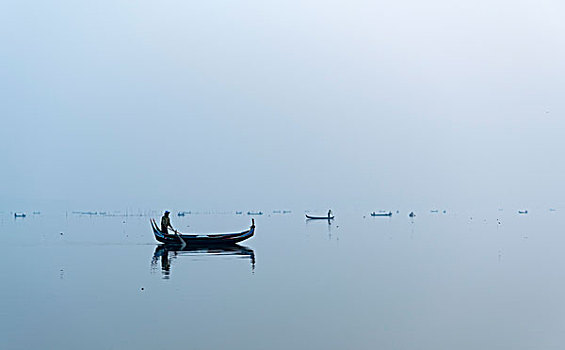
165 264
162 253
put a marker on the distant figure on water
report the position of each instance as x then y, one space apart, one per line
329 213
166 222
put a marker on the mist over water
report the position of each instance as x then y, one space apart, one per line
303 104
114 111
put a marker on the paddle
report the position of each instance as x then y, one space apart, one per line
182 240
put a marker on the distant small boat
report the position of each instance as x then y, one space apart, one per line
85 212
254 213
277 212
238 212
319 217
411 214
286 212
434 211
381 214
180 213
19 215
522 212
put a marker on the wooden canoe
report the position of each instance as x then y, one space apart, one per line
381 214
319 217
202 238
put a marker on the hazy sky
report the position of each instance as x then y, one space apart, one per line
221 104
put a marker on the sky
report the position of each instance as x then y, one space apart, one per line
253 104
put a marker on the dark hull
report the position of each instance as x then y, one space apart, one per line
319 217
381 214
201 239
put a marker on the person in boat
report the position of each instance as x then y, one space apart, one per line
166 222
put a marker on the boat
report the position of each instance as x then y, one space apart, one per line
381 214
254 213
319 217
85 212
522 212
201 239
238 212
411 214
19 215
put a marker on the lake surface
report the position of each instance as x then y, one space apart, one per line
460 280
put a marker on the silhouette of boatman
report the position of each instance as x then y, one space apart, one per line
166 222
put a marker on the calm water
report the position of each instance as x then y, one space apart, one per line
440 281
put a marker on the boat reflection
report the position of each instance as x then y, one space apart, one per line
329 226
165 254
308 220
